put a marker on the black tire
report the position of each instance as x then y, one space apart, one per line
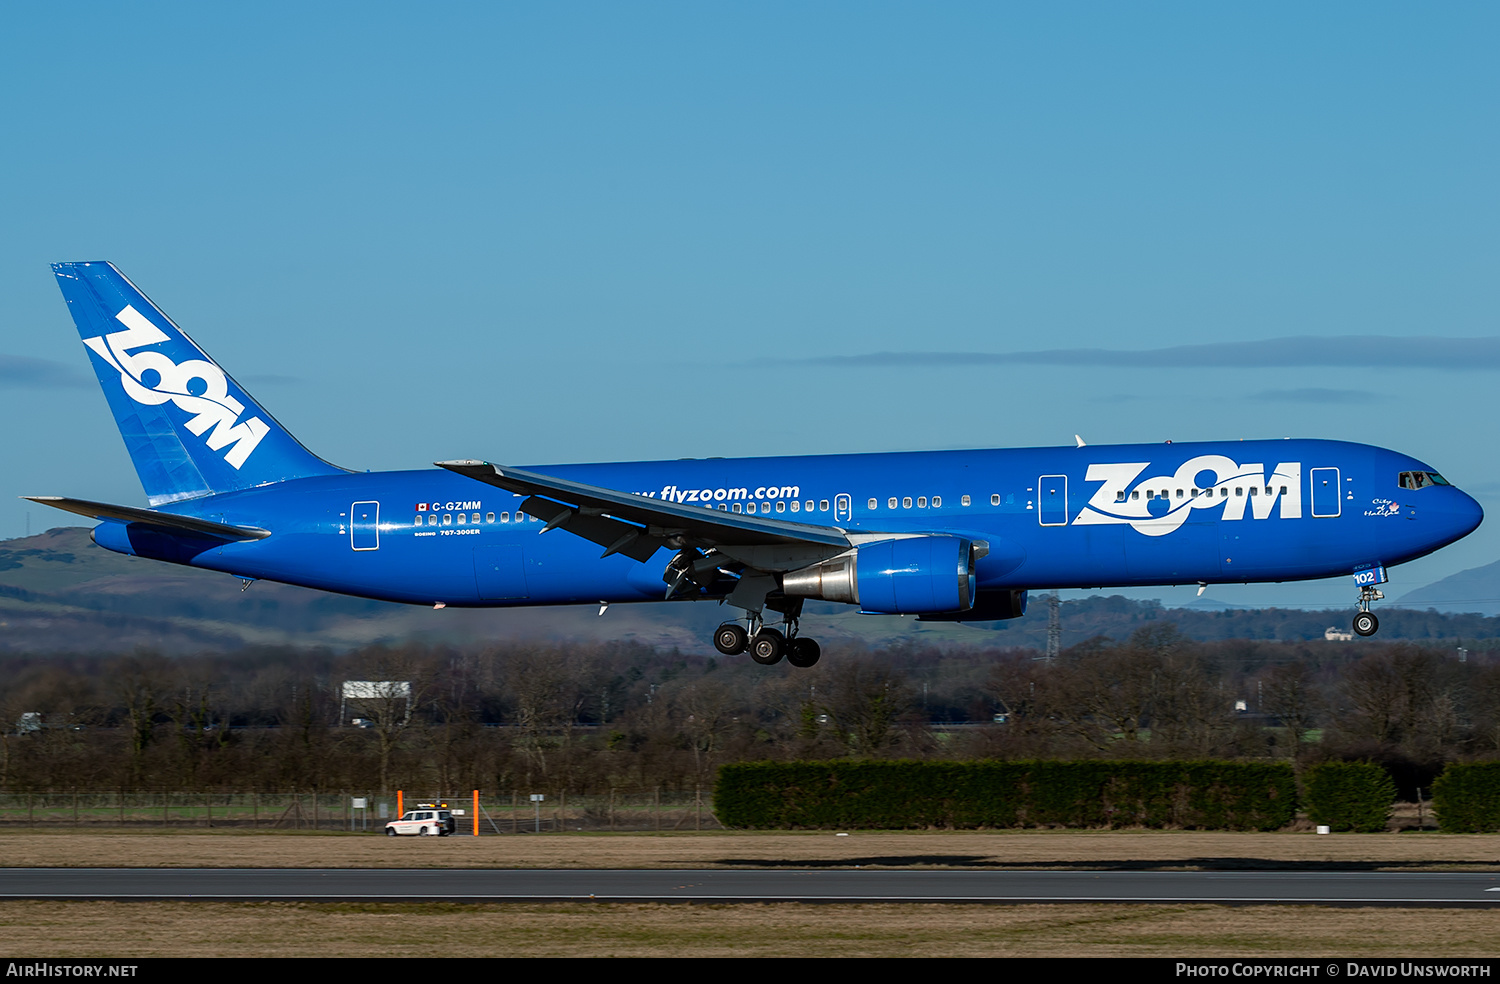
803 653
768 647
390 831
425 832
1366 624
731 639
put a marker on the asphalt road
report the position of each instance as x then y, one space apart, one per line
1454 889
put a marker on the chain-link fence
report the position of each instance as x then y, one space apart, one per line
511 812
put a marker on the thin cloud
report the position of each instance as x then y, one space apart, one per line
1342 352
18 371
1315 395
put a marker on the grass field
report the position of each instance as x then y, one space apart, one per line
115 929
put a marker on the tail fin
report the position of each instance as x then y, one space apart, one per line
190 429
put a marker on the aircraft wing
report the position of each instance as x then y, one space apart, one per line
635 525
131 514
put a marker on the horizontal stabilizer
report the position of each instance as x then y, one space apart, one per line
169 521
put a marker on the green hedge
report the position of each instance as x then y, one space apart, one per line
966 795
1466 798
1349 795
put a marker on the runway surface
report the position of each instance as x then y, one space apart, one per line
1461 889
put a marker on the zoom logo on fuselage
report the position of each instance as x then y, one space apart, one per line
1158 505
151 378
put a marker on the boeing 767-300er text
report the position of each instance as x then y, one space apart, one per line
948 535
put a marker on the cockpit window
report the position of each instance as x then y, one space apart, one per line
1420 480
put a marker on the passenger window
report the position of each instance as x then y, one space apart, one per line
1179 493
1253 490
822 505
750 508
995 499
781 506
937 502
418 522
737 507
1283 490
873 505
921 502
1224 493
892 503
1136 494
447 519
489 517
462 518
505 517
796 506
964 501
906 502
1239 490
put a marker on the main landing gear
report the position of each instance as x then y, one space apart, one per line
1365 622
707 574
766 646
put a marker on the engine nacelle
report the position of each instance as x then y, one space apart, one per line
905 575
990 606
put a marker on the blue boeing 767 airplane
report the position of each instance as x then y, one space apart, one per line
948 535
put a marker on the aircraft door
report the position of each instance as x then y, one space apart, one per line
843 508
500 572
1325 492
1052 500
364 526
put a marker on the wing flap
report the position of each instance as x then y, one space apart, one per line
169 521
614 536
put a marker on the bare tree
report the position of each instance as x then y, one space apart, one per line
864 700
1288 694
140 686
398 682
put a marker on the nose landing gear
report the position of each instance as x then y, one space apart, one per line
1365 622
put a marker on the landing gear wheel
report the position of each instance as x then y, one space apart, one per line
803 653
731 639
768 647
1366 624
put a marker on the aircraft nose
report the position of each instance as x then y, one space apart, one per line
1455 516
1467 514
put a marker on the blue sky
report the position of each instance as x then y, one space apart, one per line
572 232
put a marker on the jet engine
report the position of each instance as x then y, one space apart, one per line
903 575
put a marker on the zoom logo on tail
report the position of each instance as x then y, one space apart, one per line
196 386
1160 505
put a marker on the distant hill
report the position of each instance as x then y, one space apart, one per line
1473 590
61 593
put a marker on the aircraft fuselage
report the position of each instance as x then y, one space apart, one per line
1095 516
